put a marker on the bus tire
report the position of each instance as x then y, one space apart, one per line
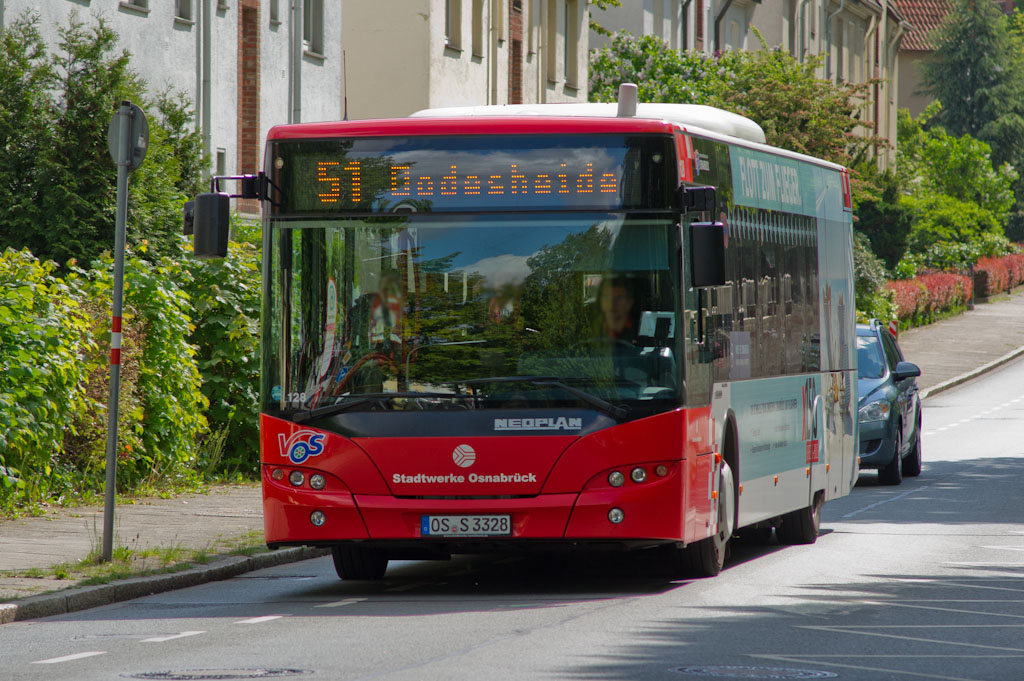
359 562
802 526
706 558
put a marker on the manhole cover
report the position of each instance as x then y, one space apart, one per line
219 674
740 672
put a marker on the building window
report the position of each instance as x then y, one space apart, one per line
183 10
275 12
135 5
222 161
453 24
478 28
551 41
313 25
572 43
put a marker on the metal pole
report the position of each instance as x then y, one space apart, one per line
123 162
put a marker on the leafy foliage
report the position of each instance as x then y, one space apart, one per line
797 110
45 350
58 191
932 161
874 301
978 75
225 297
189 351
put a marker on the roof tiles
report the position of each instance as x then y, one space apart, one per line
925 16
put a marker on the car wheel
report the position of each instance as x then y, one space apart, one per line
892 472
359 562
802 526
912 464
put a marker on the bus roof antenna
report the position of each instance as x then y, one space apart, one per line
627 100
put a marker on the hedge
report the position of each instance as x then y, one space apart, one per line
998 275
928 296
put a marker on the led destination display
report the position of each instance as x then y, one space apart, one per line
445 173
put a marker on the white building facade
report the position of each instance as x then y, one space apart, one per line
246 65
407 55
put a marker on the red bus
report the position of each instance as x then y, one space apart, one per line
548 328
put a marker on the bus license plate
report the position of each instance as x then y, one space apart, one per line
465 525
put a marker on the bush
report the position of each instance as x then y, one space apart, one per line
998 275
930 296
226 307
46 353
54 380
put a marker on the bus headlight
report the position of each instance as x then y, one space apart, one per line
638 474
616 516
616 479
317 518
317 481
296 478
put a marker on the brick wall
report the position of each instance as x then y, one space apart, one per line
248 94
515 59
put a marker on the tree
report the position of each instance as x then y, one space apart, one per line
57 181
797 110
978 75
885 220
932 161
25 111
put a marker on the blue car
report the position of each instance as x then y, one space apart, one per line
889 409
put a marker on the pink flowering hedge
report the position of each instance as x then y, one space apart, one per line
998 275
923 298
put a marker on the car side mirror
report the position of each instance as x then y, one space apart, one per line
906 370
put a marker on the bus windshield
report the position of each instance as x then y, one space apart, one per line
464 311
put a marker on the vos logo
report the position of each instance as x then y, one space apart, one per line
301 445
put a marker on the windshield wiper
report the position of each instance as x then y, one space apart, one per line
617 412
360 399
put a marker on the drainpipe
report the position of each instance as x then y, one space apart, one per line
828 40
890 63
718 22
492 52
205 88
803 29
869 61
295 89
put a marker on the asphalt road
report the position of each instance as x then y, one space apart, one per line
920 581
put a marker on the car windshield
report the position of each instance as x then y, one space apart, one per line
870 362
432 312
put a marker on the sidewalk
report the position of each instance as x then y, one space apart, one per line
949 352
955 350
210 523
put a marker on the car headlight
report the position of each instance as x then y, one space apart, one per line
874 411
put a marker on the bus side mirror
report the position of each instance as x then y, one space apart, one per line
697 199
211 219
707 254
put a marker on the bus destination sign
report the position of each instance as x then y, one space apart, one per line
434 174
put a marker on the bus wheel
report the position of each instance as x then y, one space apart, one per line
359 562
707 557
801 526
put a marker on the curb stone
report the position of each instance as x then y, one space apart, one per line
963 378
81 598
